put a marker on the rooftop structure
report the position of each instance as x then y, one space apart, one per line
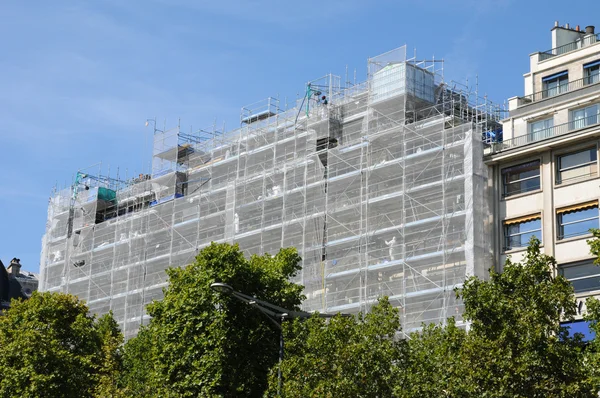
567 72
380 185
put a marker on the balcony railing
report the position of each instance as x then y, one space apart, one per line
562 88
544 134
583 42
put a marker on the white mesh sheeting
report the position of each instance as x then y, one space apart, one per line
379 200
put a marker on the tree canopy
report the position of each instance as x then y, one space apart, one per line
516 346
342 357
434 363
51 347
204 343
508 343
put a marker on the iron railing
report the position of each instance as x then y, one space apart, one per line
544 134
583 42
563 88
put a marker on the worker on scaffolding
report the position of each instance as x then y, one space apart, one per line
392 245
324 106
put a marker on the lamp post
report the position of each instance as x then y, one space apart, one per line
275 313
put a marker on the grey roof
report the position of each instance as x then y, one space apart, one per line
10 288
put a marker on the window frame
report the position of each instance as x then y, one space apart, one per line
507 223
538 135
558 170
581 207
585 121
562 267
562 84
504 172
591 72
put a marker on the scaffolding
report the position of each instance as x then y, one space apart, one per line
380 186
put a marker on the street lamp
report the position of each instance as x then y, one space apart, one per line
275 313
221 288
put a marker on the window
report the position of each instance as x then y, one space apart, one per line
576 165
555 84
518 231
583 275
584 117
577 220
521 178
591 72
540 130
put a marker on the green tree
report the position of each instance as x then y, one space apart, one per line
203 343
516 346
49 347
434 365
343 356
111 364
138 365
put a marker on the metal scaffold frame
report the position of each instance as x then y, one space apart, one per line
380 185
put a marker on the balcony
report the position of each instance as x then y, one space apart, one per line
544 134
576 45
560 89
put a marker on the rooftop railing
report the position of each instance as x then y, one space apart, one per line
544 134
580 43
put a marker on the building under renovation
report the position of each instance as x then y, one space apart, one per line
379 185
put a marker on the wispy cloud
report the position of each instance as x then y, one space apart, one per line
82 81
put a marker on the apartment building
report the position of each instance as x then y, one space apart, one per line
544 172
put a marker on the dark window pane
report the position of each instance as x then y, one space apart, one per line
522 186
521 178
584 276
513 229
511 177
522 170
577 158
514 241
586 285
583 269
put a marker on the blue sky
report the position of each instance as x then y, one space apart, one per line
80 78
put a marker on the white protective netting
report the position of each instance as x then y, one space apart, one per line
381 188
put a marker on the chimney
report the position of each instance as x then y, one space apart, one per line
556 24
589 30
14 267
566 26
577 28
